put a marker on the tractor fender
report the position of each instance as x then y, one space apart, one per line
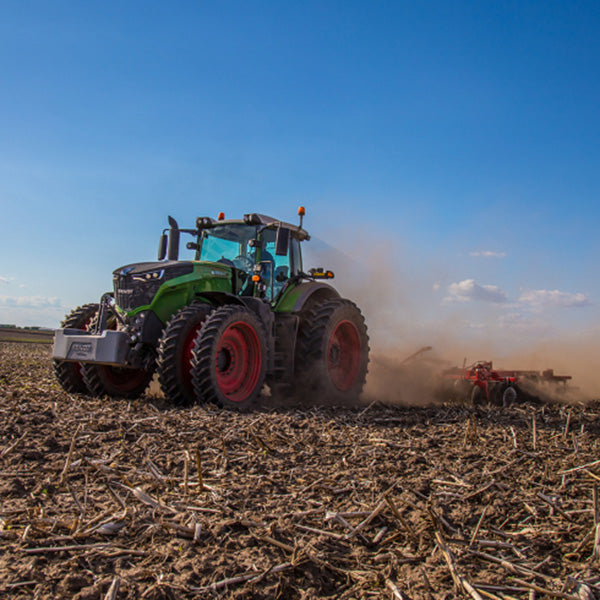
256 305
220 298
309 293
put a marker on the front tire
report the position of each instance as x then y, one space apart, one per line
70 374
230 358
118 382
333 351
175 348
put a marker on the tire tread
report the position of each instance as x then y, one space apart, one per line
204 386
67 373
314 323
167 362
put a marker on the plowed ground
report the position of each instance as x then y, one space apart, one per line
105 499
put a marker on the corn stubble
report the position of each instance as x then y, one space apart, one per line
103 498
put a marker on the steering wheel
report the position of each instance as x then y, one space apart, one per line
226 261
243 263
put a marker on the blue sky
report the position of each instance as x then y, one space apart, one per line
460 140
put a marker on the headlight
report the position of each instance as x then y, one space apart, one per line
150 276
139 318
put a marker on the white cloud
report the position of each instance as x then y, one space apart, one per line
35 302
487 254
436 286
6 279
468 290
553 298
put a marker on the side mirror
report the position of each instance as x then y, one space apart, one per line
162 247
283 241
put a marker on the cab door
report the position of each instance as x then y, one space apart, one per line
277 269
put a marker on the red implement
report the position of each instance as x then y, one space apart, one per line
488 381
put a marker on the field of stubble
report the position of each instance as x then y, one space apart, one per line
107 499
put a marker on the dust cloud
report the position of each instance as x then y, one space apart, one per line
395 292
569 354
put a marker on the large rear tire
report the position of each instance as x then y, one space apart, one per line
333 351
70 374
175 347
230 358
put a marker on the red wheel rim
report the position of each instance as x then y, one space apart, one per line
238 361
186 357
343 355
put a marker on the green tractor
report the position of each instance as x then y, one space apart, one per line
239 314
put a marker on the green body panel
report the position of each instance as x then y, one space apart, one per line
179 292
293 297
288 299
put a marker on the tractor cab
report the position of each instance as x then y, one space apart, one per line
263 253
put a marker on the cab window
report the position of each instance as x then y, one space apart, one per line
280 268
295 256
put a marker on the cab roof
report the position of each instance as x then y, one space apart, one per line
258 219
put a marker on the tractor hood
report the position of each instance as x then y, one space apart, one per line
174 268
135 285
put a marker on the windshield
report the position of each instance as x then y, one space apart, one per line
229 244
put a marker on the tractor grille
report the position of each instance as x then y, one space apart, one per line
133 288
131 294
